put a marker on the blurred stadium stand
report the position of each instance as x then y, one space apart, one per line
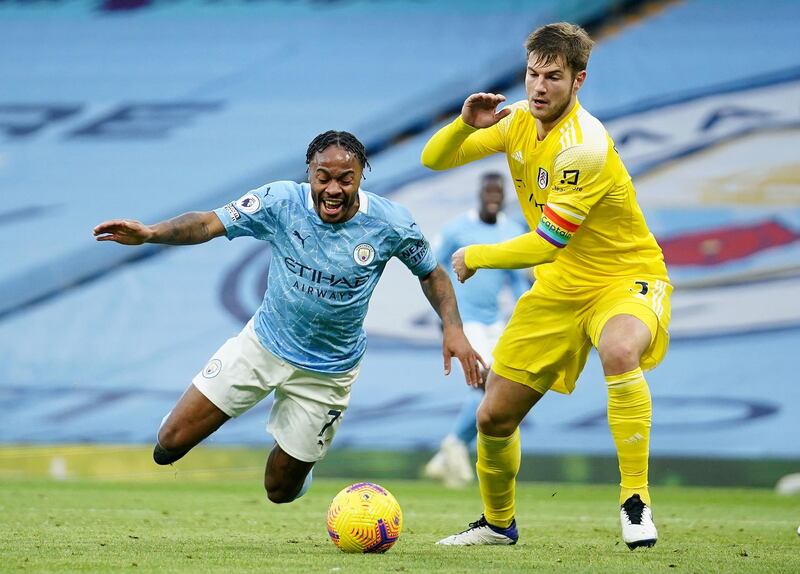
174 106
170 106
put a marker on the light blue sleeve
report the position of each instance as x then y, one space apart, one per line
255 213
413 249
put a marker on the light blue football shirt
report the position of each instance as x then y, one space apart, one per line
478 296
322 275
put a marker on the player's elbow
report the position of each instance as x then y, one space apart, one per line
432 160
437 274
545 250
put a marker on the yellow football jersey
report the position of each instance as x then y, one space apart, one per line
575 193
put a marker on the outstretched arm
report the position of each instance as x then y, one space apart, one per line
187 229
473 135
439 291
524 251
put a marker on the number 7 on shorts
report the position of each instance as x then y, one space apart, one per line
334 414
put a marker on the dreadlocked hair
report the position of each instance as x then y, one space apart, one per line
344 140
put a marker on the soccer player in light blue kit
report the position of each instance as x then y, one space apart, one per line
479 304
330 243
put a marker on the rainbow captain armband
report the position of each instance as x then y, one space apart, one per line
558 225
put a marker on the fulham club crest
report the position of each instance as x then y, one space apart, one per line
363 254
543 179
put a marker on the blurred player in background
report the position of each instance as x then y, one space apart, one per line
330 243
600 277
479 304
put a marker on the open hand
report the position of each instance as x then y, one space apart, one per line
455 344
125 231
479 110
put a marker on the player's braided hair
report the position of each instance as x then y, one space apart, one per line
344 140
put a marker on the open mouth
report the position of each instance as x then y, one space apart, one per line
331 207
539 102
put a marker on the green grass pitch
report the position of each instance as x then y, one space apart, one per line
178 524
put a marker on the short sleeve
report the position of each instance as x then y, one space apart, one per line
413 249
254 214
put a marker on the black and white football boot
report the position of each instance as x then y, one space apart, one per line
638 528
482 533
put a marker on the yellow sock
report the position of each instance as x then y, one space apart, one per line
498 465
629 416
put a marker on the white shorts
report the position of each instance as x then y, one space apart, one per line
308 406
483 337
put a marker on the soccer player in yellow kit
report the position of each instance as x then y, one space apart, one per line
600 277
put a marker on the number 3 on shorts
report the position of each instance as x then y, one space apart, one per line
334 414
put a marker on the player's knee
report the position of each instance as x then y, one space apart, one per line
169 447
493 422
173 439
620 356
168 438
163 456
280 492
279 496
